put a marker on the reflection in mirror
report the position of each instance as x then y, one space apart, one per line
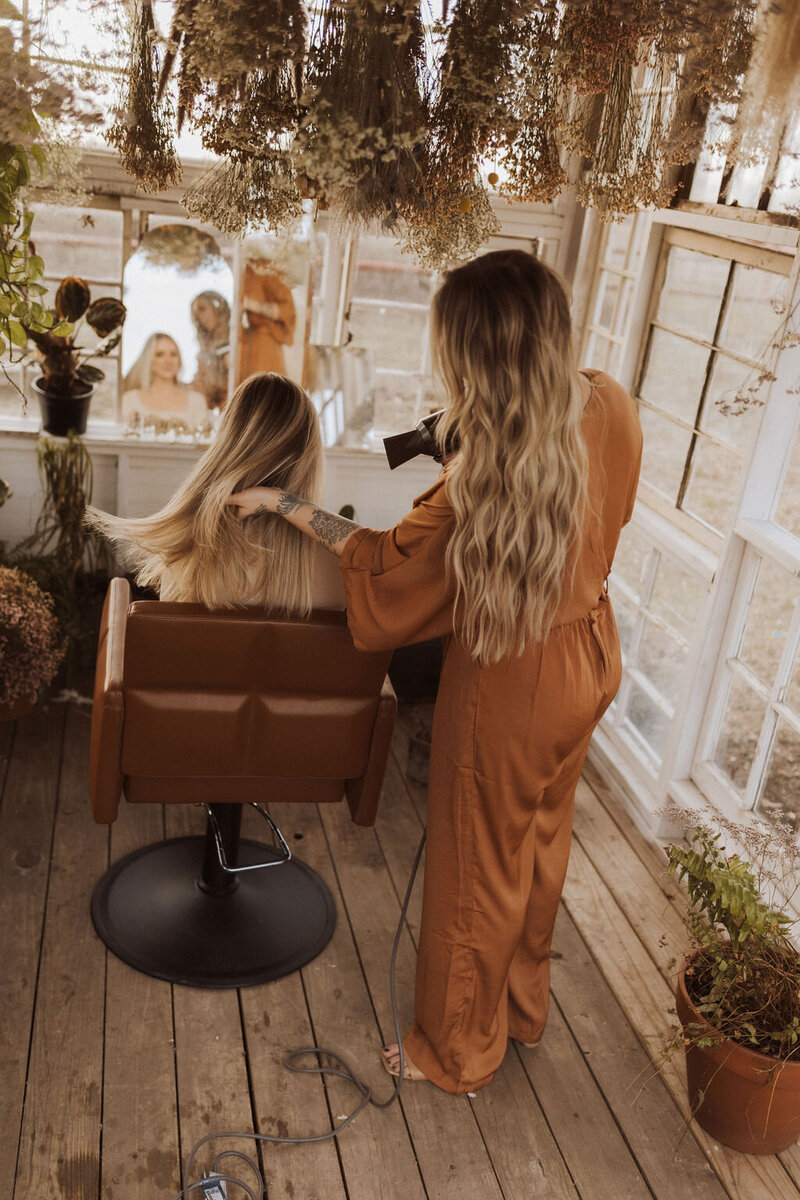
176 350
273 298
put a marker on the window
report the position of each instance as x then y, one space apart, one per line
713 318
388 321
620 255
88 244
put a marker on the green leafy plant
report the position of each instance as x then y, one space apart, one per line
744 973
21 311
66 369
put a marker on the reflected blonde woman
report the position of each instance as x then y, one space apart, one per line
507 556
153 386
195 550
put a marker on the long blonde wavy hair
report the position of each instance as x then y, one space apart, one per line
502 347
269 433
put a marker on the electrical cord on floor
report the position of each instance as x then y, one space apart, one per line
343 1070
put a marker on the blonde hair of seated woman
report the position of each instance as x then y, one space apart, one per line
152 384
196 550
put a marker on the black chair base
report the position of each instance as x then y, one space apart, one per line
151 911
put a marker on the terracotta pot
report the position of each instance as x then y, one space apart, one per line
743 1099
12 712
63 414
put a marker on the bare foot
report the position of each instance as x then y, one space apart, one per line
391 1063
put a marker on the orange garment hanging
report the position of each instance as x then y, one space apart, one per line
509 742
262 340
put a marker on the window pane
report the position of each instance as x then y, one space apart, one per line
651 724
396 336
674 374
713 484
738 739
780 798
598 352
662 660
692 293
75 242
787 512
737 428
625 616
619 236
677 597
750 319
792 697
666 446
607 296
631 559
11 402
768 619
385 273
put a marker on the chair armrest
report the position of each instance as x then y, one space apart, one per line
108 709
364 793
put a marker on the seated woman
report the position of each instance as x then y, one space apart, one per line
152 385
196 550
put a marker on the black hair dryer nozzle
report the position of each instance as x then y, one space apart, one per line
402 447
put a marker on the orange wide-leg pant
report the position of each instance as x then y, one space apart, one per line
509 742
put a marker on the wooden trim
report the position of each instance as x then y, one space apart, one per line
745 216
728 248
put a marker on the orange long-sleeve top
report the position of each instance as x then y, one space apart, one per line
398 590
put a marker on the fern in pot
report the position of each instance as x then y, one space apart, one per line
68 377
738 992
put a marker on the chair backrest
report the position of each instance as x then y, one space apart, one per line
245 695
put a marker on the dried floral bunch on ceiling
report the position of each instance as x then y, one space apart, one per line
239 83
361 140
142 130
386 114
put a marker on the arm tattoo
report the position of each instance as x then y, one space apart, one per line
259 512
288 503
329 528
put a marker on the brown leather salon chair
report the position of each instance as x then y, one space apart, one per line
222 710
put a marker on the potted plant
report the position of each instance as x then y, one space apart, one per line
68 378
738 992
31 644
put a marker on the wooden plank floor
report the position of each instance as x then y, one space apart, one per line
110 1077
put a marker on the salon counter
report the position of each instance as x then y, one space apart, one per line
134 477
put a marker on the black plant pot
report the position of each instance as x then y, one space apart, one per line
63 414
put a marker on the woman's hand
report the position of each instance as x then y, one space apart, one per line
256 500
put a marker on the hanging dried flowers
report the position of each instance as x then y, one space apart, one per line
141 132
243 191
530 153
452 229
239 78
361 139
475 86
181 247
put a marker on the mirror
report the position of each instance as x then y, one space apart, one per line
178 290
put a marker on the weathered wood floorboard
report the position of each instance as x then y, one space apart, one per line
126 1072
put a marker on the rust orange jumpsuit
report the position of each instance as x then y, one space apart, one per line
509 741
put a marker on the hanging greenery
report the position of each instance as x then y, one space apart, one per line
141 132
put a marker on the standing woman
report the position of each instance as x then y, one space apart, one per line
508 554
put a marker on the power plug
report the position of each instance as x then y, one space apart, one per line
212 1187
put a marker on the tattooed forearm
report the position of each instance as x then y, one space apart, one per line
329 528
288 503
